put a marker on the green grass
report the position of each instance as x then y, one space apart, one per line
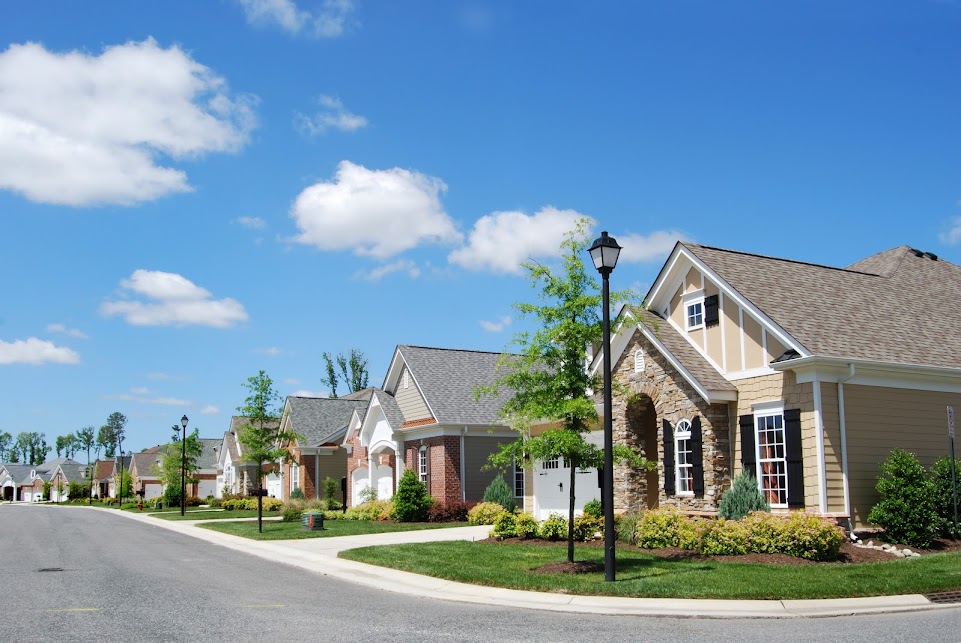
211 514
641 575
274 530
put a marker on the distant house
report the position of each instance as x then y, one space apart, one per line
24 482
425 417
235 474
65 473
804 375
145 472
106 474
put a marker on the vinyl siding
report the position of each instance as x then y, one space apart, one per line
732 334
476 451
411 402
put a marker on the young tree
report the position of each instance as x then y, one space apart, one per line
112 433
31 447
170 464
547 376
261 435
352 368
6 441
85 440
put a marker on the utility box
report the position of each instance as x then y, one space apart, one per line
312 520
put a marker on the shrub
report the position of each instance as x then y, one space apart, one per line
594 508
526 525
333 515
331 492
172 496
78 490
943 495
368 494
297 494
625 526
194 501
742 498
907 507
292 514
586 527
411 502
371 510
690 532
484 513
724 537
315 505
505 526
767 533
554 528
129 505
215 503
498 491
811 537
659 528
269 504
455 511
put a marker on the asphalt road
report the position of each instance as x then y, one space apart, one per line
113 579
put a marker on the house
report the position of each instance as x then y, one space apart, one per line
25 482
64 473
106 474
426 417
234 474
319 452
145 472
804 375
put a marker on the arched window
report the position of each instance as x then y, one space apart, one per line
683 454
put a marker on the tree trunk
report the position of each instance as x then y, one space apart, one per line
260 499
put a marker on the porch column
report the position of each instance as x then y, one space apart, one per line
371 463
399 450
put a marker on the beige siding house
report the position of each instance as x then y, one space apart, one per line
805 375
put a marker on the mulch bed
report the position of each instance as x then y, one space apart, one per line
848 554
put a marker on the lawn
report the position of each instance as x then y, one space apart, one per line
212 514
641 575
274 530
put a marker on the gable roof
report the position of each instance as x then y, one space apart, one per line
895 306
390 407
145 461
322 420
447 379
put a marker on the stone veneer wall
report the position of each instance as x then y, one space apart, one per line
673 399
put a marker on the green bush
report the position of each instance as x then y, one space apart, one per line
767 533
724 538
554 528
498 491
332 493
742 498
659 528
297 494
594 508
812 537
943 496
370 510
330 514
586 527
78 490
292 514
625 526
411 502
484 513
526 525
907 509
172 496
215 503
690 532
505 526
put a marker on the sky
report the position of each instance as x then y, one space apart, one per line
192 192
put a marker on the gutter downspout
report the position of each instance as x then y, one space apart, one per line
844 448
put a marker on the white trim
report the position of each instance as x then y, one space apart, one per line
764 352
873 373
721 315
819 449
463 468
844 443
768 406
638 360
677 463
695 298
740 331
753 372
771 409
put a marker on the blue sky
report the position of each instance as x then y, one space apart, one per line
191 192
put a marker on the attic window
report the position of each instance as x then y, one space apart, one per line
694 314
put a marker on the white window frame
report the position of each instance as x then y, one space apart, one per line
294 476
683 466
422 464
518 480
771 466
553 463
691 317
406 378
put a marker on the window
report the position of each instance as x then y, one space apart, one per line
294 476
683 451
555 463
422 464
518 480
771 458
695 314
638 361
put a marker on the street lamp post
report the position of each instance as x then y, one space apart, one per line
183 467
120 491
604 254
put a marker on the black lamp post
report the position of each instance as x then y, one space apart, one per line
604 253
183 467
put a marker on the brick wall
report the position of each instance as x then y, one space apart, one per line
443 466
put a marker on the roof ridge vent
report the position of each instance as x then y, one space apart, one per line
931 256
916 252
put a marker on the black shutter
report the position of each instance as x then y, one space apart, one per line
711 315
669 483
748 449
697 453
794 455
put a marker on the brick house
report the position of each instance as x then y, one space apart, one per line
425 417
805 375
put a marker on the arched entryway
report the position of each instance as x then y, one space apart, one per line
643 487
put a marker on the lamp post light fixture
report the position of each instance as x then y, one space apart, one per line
183 467
604 253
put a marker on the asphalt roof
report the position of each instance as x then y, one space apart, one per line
321 420
448 377
894 306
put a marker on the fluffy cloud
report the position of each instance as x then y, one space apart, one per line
141 395
36 352
376 213
82 130
69 332
378 273
498 326
952 236
329 21
501 241
174 301
333 115
639 248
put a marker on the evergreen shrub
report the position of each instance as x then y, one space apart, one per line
297 494
411 502
944 496
906 510
742 498
498 491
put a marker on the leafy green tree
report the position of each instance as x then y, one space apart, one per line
547 378
85 440
111 435
944 495
123 483
31 448
6 442
411 502
351 368
261 435
907 509
170 464
67 444
106 441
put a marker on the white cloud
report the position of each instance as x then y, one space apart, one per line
332 116
378 213
329 21
139 395
210 409
303 393
952 236
81 130
174 301
36 352
378 273
639 248
498 326
69 332
141 390
251 223
272 351
501 241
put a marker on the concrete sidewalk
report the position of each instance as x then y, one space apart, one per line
320 555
